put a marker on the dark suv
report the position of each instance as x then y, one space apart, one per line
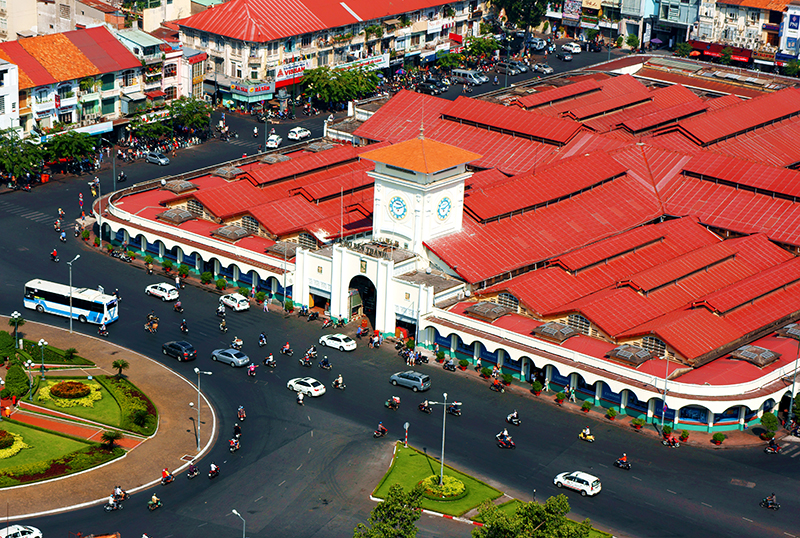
182 350
428 87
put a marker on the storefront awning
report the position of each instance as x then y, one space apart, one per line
134 96
390 22
155 94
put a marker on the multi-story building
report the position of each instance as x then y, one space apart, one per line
78 79
747 23
257 46
676 20
56 16
9 96
192 71
160 64
17 19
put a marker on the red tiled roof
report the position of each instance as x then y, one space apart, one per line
587 142
401 118
673 141
560 93
609 105
103 49
31 72
664 116
227 200
772 144
701 83
715 103
731 171
748 115
544 186
512 120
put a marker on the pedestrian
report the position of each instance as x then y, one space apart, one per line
266 303
566 390
572 395
546 385
253 293
94 192
260 148
495 371
478 364
436 349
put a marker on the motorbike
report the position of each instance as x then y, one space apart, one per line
122 177
108 507
262 342
393 403
380 433
63 237
303 312
184 329
671 442
102 332
622 465
288 352
328 367
223 328
449 367
328 323
454 409
270 362
305 361
221 312
178 309
497 387
234 447
152 506
193 473
54 258
237 345
313 315
167 480
214 473
251 372
149 268
772 449
506 443
340 386
151 327
300 398
511 419
120 498
770 505
240 414
425 408
588 438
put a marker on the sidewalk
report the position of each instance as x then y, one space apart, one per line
172 446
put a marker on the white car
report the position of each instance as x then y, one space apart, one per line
585 483
167 292
307 385
339 341
236 301
299 133
574 48
20 531
543 68
274 141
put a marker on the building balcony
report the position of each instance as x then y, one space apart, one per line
69 101
41 106
86 97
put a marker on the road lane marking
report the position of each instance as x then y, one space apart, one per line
705 504
672 492
603 465
312 433
787 534
636 478
258 499
309 450
750 520
282 483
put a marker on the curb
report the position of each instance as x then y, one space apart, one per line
438 514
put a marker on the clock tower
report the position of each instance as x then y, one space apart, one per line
419 191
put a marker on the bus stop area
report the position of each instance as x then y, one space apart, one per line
173 445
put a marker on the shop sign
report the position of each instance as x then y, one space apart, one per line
740 58
591 4
773 27
457 50
252 89
373 62
794 22
152 117
762 55
291 70
572 9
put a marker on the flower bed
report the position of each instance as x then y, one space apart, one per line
451 489
45 394
17 444
6 439
130 400
91 456
70 390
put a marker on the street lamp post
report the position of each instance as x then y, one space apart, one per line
70 290
198 371
444 420
794 384
15 317
113 163
28 366
244 523
664 406
42 344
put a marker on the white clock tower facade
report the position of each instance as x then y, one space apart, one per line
419 191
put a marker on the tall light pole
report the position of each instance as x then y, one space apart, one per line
444 420
70 291
794 384
664 406
42 344
113 162
244 523
198 371
28 366
15 317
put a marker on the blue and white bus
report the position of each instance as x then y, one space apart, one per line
88 306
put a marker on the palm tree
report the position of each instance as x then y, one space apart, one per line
120 365
110 438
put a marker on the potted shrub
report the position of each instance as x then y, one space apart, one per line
244 292
611 413
148 259
667 430
206 277
766 436
183 270
110 248
486 373
637 423
684 435
560 397
717 438
221 283
770 423
131 254
167 265
85 235
288 305
97 241
507 379
537 388
440 356
260 296
587 405
463 363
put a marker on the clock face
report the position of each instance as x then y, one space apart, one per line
398 207
443 210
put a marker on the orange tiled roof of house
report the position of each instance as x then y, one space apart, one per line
770 5
25 81
421 155
62 59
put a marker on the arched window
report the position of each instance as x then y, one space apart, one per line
654 345
509 301
307 241
579 323
250 224
193 206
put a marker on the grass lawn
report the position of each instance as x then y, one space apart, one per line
105 410
510 507
410 467
44 446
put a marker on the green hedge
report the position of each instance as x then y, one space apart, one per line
6 344
130 400
17 382
52 355
77 461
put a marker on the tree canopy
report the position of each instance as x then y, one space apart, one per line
17 156
531 520
152 129
395 517
523 13
190 112
69 145
482 46
339 85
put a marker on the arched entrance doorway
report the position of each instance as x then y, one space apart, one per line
363 302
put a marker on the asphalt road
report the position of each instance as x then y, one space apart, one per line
307 471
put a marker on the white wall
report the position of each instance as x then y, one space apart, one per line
9 115
167 11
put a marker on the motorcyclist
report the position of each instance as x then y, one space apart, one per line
381 428
251 370
255 131
300 398
154 499
772 443
184 326
63 236
54 254
338 382
192 468
177 306
221 310
103 328
112 502
241 412
325 362
514 415
223 326
269 360
312 351
237 430
61 213
77 229
286 347
623 459
586 432
234 444
165 475
496 383
425 404
772 500
262 339
214 468
237 342
118 493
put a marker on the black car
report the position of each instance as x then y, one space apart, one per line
182 350
595 47
438 83
428 87
564 56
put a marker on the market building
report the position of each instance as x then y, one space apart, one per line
628 238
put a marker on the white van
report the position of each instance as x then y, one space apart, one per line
466 76
573 48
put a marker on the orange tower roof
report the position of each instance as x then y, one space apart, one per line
421 155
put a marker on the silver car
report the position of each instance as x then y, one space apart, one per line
521 66
157 158
416 381
230 356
